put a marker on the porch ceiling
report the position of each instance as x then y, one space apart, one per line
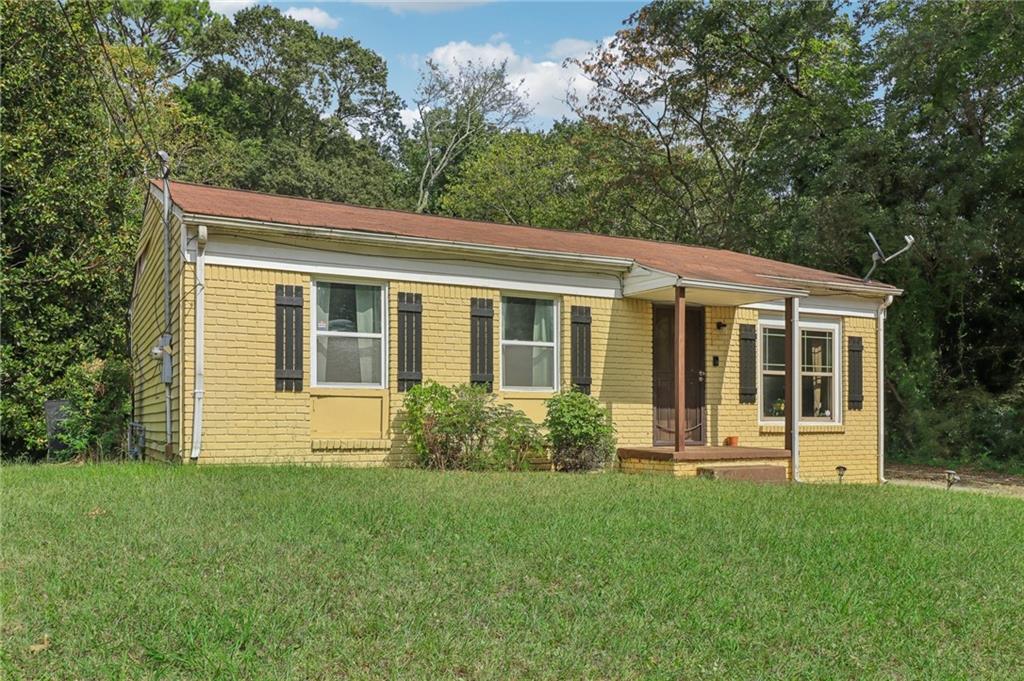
707 296
660 287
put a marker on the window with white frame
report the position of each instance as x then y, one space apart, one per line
529 352
819 375
349 334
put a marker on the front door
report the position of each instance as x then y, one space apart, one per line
664 376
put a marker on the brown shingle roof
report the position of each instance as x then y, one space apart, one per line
690 262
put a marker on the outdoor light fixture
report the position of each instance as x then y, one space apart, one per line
951 478
720 325
841 470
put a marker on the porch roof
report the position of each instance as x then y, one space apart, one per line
651 268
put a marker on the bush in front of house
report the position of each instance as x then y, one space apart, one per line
462 427
580 432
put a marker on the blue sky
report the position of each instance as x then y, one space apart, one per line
534 37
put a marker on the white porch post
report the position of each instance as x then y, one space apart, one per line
792 394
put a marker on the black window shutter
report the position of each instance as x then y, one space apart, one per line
410 340
288 338
855 381
581 348
748 364
481 341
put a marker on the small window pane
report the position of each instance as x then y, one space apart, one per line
817 397
347 307
524 366
343 359
817 351
773 396
528 319
774 350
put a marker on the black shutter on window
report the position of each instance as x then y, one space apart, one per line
748 364
288 339
410 340
481 341
855 381
581 348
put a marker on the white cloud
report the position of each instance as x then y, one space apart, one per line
315 16
409 117
570 47
545 81
423 6
229 7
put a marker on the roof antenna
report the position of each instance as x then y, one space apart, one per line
880 258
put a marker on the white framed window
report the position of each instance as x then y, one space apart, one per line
820 395
529 343
349 334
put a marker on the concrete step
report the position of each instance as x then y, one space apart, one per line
748 473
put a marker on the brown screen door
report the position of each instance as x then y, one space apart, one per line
664 376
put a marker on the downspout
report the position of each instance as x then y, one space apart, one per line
794 358
880 343
165 341
199 346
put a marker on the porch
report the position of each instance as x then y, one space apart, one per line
694 460
685 443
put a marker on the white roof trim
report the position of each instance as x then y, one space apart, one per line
593 261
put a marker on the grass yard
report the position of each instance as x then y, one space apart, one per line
184 572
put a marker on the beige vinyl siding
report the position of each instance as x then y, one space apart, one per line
147 325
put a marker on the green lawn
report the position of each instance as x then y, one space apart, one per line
147 571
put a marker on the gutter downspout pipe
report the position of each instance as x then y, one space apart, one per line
165 341
200 340
880 342
794 358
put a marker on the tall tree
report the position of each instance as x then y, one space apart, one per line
297 112
458 107
71 200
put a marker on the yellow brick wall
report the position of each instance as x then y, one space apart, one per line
822 447
246 420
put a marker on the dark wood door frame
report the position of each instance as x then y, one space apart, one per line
663 375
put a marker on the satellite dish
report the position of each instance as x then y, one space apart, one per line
880 258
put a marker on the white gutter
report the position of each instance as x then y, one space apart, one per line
199 347
880 343
377 238
794 358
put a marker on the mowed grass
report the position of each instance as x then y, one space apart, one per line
180 572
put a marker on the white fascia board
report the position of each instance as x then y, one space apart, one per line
832 306
241 252
562 259
641 279
880 290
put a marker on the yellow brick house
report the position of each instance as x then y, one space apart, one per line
271 329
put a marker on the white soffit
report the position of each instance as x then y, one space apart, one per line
341 261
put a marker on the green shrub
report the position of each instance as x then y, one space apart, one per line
580 431
98 409
462 427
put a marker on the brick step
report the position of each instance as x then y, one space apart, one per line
748 473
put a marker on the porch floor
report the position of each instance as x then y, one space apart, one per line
701 453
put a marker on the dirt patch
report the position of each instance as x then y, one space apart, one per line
970 479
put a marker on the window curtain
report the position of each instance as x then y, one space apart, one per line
543 318
367 300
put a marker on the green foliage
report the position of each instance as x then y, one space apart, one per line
463 427
99 407
71 205
580 431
